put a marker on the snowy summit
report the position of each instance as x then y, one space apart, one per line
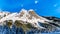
28 16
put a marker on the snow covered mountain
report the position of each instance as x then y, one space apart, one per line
27 16
24 15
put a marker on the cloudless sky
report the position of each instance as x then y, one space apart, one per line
41 7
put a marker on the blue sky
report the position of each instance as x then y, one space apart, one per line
41 7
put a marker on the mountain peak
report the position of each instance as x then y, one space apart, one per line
31 10
23 10
24 15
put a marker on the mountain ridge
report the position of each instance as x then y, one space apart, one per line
13 17
28 16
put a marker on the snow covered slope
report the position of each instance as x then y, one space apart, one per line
25 15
